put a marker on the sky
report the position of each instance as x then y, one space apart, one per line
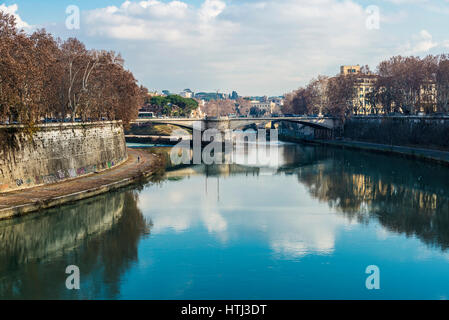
256 47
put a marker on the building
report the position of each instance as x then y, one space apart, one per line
347 70
208 96
279 101
365 85
154 94
197 113
268 107
187 93
428 97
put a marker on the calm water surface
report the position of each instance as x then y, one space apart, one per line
305 228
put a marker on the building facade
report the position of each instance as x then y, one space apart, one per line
364 88
187 93
365 93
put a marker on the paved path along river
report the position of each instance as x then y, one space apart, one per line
24 201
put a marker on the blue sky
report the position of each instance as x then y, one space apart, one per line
255 46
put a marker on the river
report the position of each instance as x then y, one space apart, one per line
306 227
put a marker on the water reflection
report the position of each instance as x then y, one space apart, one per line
238 198
300 228
99 235
404 196
409 197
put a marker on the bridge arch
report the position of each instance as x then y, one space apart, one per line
223 124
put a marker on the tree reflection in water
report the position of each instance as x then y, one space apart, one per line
409 197
405 196
99 235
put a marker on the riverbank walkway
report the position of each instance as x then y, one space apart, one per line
20 202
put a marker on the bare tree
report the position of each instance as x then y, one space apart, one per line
224 107
318 95
341 94
442 84
401 80
42 77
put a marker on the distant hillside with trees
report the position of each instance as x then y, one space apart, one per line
172 105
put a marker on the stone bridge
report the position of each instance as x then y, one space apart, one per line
225 123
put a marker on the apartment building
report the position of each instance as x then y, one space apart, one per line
366 83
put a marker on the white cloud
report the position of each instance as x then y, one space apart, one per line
12 10
173 22
424 42
407 1
256 47
211 9
228 211
421 43
292 231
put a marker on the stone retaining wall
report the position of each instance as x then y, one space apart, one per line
57 152
424 131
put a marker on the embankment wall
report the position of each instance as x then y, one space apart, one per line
51 153
421 131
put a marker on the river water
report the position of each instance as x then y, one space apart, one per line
305 227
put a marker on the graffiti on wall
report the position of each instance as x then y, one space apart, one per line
58 176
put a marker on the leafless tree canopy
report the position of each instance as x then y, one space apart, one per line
43 77
224 107
402 85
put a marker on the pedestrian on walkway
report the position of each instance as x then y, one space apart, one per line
138 159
